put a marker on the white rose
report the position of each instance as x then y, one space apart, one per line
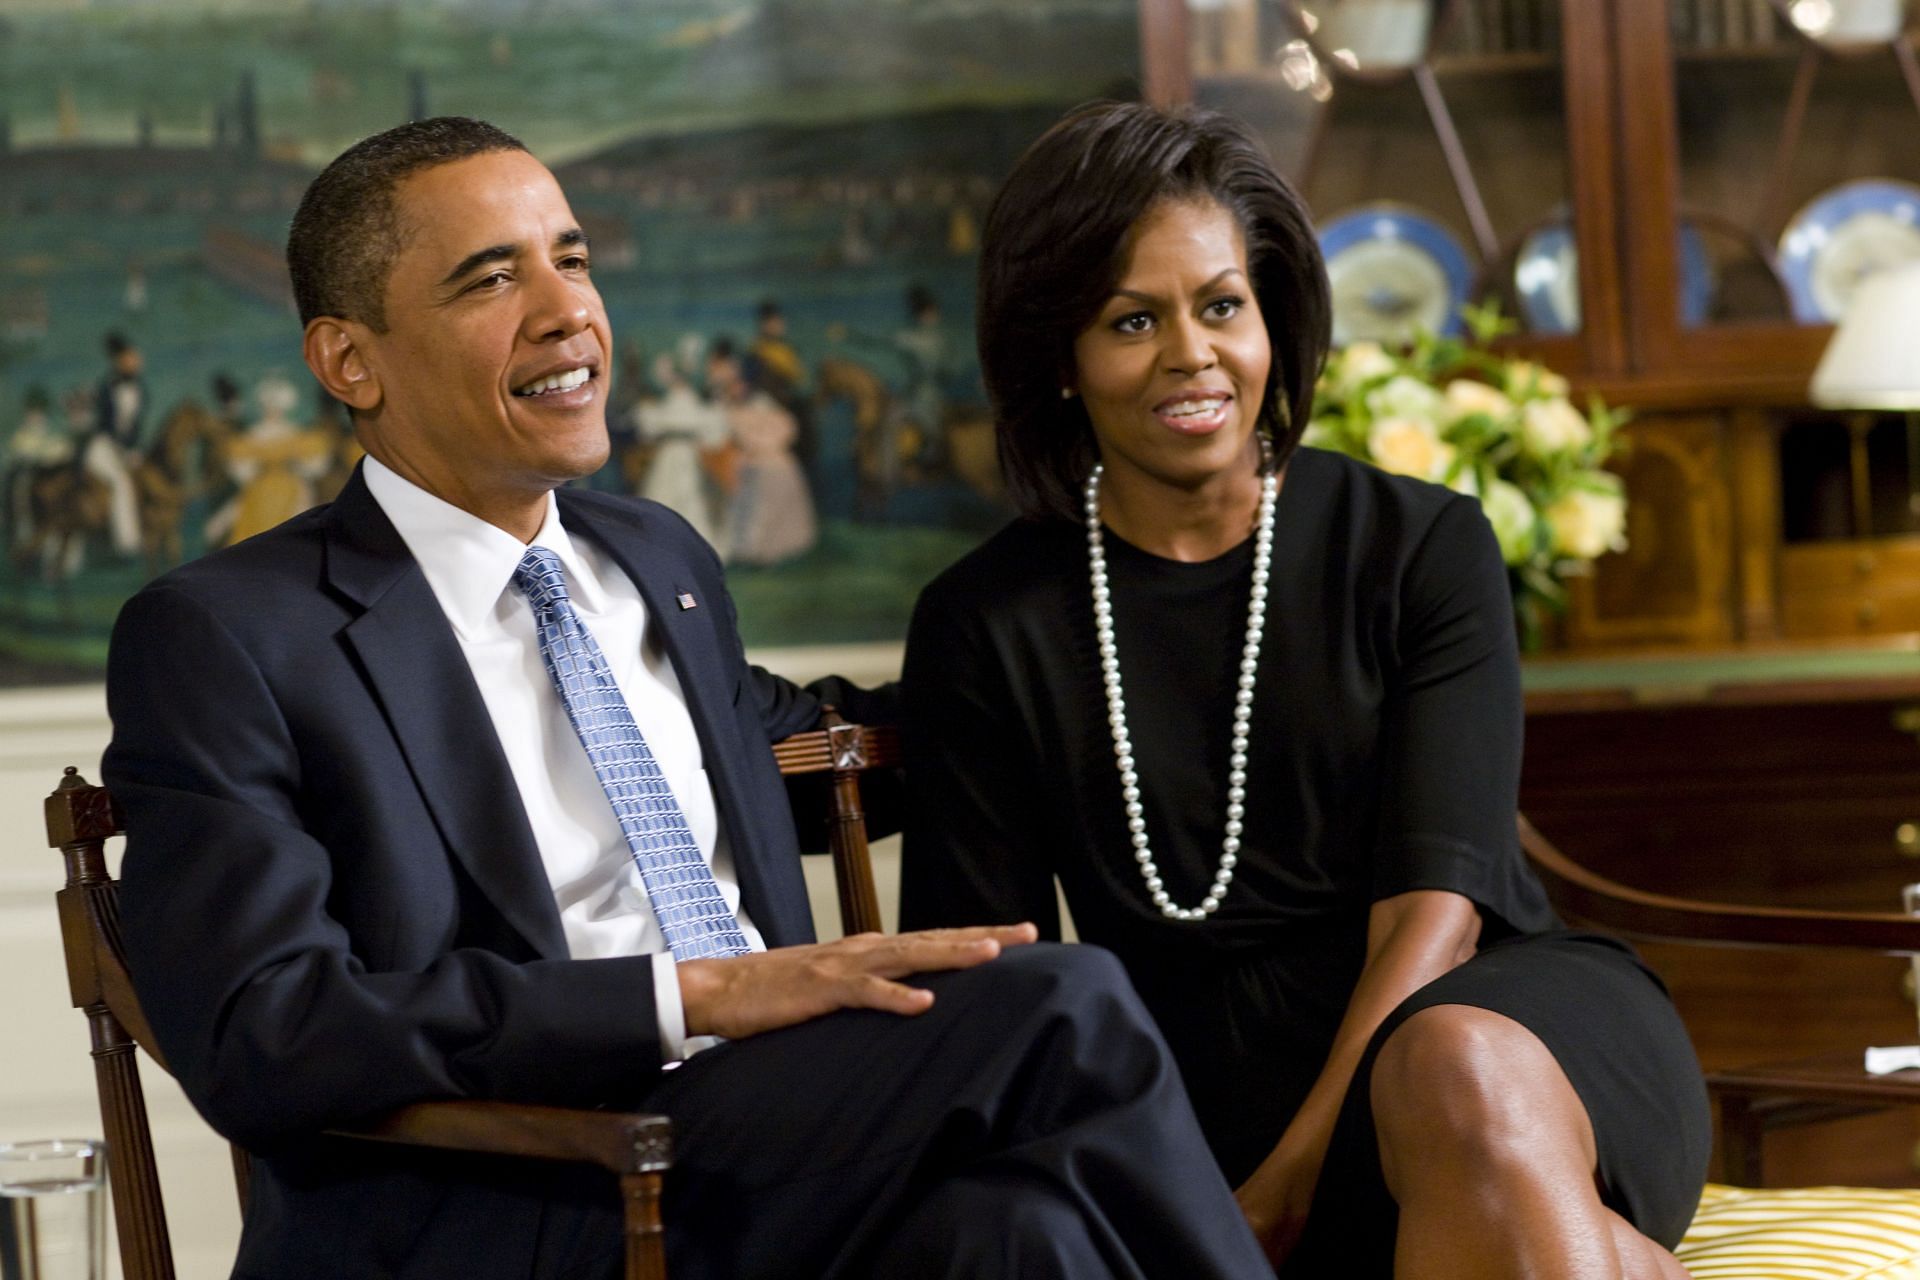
1525 378
1465 480
1362 360
1404 397
1588 524
1409 447
1465 397
1553 426
1512 518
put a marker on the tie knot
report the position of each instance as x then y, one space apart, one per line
541 578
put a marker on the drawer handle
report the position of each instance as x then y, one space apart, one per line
1863 565
1906 838
1868 613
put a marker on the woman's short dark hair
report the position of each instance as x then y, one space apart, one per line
1056 242
347 233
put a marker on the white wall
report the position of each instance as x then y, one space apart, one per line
46 1081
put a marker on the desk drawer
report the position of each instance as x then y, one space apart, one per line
1850 588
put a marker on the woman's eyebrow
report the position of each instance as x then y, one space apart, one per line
1138 296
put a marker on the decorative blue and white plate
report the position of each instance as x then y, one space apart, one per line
1394 270
1546 277
1844 236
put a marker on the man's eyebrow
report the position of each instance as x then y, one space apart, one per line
478 259
570 238
1137 296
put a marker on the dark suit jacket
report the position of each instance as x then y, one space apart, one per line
332 901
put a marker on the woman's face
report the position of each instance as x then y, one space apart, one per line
1174 367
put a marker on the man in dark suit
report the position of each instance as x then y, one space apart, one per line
386 841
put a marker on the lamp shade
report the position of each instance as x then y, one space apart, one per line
1873 359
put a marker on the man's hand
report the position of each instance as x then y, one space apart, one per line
741 995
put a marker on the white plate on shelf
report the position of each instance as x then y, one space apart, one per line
1842 237
1546 278
1394 270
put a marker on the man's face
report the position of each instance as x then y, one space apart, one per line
127 362
493 369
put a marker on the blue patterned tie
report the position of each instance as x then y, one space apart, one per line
686 898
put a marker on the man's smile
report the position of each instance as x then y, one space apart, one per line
554 383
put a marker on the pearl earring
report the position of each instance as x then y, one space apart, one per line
1066 393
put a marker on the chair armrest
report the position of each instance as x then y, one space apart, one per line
1591 897
620 1141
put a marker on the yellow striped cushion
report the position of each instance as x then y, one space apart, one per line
1804 1233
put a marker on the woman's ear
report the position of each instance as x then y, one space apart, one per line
334 352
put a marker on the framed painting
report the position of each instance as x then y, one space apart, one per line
783 198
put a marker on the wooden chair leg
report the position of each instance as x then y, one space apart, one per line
242 1176
1741 1136
146 1253
646 1245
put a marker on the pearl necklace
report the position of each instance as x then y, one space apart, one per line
1242 705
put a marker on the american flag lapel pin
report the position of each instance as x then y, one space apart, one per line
687 601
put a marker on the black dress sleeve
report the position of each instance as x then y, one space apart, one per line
974 851
1450 737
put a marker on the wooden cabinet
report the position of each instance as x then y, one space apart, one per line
1678 138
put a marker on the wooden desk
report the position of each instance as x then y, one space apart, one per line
1755 1101
1789 777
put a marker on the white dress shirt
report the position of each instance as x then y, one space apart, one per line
596 885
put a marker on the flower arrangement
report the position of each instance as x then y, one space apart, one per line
1501 430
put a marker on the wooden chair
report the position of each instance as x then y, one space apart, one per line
635 1148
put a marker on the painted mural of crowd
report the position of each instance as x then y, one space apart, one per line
103 475
729 434
725 432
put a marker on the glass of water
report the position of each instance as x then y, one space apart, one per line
53 1209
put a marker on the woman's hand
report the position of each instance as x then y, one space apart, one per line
1275 1200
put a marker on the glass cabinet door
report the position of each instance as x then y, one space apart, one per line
1430 138
1797 137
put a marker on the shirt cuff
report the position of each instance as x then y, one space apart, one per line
668 1007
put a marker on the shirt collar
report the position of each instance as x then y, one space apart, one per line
469 563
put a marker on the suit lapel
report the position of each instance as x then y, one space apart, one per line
424 684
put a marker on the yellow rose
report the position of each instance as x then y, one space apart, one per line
1553 426
1588 524
1409 447
1525 378
1465 397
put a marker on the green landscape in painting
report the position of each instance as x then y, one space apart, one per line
826 163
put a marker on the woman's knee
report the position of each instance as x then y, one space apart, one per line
1455 1081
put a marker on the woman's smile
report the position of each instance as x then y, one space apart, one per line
1199 412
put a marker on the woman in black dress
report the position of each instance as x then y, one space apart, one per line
1258 708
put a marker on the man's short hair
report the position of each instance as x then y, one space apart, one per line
347 233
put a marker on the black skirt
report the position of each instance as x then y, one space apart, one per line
1609 1024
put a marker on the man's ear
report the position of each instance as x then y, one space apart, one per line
333 351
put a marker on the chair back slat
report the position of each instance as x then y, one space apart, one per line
80 819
